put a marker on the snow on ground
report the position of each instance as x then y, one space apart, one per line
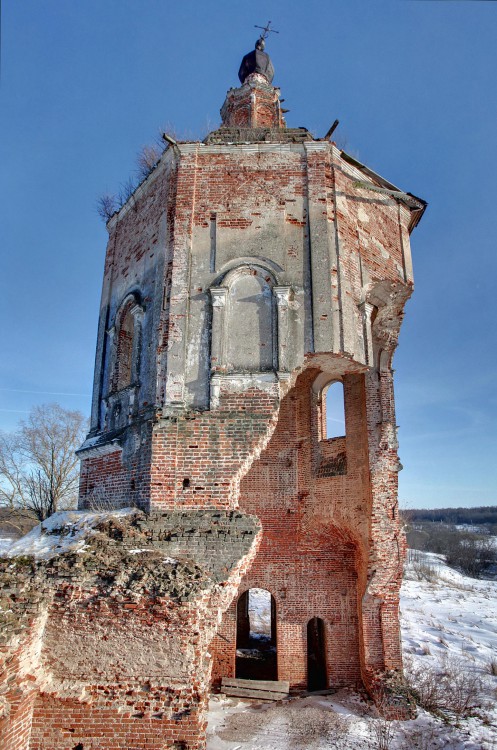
61 532
5 543
447 618
259 609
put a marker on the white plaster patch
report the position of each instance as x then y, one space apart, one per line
380 247
363 215
174 387
239 383
342 204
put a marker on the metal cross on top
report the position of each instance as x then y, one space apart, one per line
266 30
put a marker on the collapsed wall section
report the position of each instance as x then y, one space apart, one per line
331 542
198 459
314 523
122 658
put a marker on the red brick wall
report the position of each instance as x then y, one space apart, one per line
62 724
369 226
198 461
16 732
20 645
315 533
122 477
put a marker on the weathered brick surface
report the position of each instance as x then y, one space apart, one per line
199 461
313 528
257 267
254 105
108 646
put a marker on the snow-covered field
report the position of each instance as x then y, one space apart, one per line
449 627
450 616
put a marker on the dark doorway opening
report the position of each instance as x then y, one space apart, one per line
256 636
317 678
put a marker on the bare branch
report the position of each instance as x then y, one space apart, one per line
147 160
39 471
126 191
106 206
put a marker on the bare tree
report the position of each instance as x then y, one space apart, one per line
38 467
147 160
126 191
107 206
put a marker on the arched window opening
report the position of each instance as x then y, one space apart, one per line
125 338
256 636
333 411
317 673
125 349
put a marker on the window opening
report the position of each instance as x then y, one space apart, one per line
256 636
317 678
125 350
334 411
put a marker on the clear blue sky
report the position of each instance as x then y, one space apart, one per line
86 84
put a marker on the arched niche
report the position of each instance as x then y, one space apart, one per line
124 346
244 322
249 323
122 364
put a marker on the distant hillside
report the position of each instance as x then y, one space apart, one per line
485 515
14 524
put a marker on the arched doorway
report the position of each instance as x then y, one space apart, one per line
256 636
317 677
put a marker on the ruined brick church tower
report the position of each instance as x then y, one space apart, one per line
246 276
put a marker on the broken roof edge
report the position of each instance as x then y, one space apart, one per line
230 134
139 190
416 211
175 148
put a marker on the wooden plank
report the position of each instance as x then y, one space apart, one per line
263 695
275 686
269 690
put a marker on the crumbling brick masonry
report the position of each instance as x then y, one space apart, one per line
245 275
